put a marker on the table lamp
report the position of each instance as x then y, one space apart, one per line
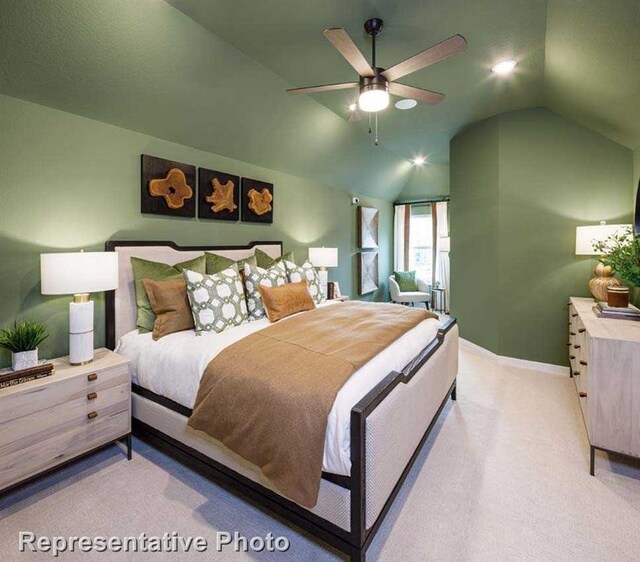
79 274
323 258
586 238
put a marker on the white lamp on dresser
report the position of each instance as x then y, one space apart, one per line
323 258
586 239
79 274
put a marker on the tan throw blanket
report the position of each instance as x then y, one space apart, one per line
268 396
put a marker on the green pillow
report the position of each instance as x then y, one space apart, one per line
217 263
265 261
156 271
406 280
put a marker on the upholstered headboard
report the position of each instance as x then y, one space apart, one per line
121 303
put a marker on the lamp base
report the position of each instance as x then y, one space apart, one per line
323 274
80 332
604 278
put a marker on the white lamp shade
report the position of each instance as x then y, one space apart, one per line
73 273
444 244
587 236
323 257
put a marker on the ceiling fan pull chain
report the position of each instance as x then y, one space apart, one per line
369 123
376 139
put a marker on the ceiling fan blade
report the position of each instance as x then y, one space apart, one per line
340 40
419 94
432 55
323 88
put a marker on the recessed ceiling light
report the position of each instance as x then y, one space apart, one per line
406 104
353 106
419 160
504 67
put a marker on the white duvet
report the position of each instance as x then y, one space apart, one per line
172 367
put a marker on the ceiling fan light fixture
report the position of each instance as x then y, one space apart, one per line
373 97
504 67
418 160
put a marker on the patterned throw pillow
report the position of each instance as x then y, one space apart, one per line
256 276
217 301
306 271
406 280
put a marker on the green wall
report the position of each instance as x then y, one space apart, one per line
69 182
520 184
425 181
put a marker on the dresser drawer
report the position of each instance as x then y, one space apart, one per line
60 418
113 422
58 389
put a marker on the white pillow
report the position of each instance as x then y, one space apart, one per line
217 301
255 276
296 273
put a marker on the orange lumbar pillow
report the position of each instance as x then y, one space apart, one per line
285 300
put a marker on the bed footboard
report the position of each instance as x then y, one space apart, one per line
388 428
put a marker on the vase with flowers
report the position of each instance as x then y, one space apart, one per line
621 252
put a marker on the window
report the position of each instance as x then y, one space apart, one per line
421 243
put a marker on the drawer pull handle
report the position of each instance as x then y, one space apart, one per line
581 330
583 363
92 396
92 415
92 377
576 347
572 356
582 394
569 344
572 333
576 373
568 304
574 315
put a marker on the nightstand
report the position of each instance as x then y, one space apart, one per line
48 422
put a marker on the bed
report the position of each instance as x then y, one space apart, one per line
376 428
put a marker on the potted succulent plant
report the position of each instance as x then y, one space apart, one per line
22 340
622 253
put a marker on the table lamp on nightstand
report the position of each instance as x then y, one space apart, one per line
586 239
79 274
323 258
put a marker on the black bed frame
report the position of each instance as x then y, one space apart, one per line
353 543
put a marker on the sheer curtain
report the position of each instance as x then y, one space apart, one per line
442 245
402 223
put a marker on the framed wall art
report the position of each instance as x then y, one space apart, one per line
167 187
257 201
218 195
367 272
368 227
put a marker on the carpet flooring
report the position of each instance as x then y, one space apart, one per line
504 476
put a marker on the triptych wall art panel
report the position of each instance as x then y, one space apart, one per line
169 188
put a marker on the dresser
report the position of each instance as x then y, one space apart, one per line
604 357
47 422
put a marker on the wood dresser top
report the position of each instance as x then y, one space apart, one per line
605 328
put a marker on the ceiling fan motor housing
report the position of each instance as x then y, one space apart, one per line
373 26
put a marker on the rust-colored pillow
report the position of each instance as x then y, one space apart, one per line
285 300
170 304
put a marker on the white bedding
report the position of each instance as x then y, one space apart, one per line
173 366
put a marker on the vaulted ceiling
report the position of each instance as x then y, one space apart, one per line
213 73
580 58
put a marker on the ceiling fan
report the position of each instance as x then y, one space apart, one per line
376 83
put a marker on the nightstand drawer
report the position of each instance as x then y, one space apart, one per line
60 388
43 424
113 422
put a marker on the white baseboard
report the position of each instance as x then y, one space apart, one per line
515 362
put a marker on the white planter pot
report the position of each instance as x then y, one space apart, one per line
24 360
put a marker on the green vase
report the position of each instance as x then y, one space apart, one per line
634 296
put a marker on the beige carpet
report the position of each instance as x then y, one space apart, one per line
503 477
